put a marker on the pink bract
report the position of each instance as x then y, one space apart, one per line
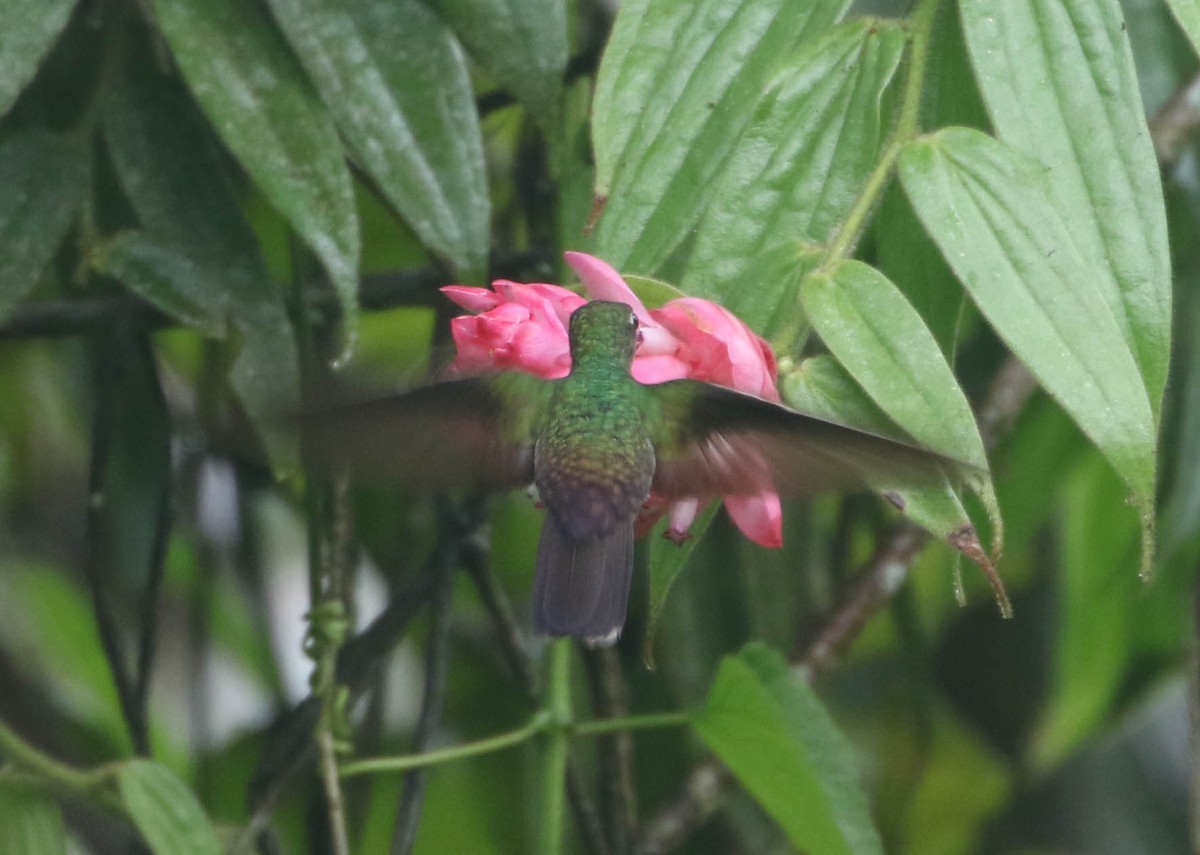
524 326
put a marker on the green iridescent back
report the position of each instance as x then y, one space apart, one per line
594 460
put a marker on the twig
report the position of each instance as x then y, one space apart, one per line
610 700
475 562
408 812
292 749
53 318
1194 717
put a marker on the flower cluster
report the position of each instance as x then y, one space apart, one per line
524 326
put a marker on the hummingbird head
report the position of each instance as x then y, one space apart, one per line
605 330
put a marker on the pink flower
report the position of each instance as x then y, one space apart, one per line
524 326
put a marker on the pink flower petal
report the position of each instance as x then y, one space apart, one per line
658 369
759 517
682 515
471 299
604 283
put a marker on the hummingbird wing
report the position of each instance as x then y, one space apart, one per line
711 440
581 587
475 432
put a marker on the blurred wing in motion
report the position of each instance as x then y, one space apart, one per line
476 432
715 441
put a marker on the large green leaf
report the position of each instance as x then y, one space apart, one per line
30 822
42 183
257 97
872 329
522 45
1058 80
165 811
987 209
678 84
774 734
396 83
822 386
199 261
28 29
796 172
878 336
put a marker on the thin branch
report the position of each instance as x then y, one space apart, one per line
1194 717
479 569
377 292
408 812
610 700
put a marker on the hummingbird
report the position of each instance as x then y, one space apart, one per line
595 444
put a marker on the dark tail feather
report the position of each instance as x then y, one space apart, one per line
582 587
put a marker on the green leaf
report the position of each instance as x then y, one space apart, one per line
878 336
774 734
30 822
872 329
1060 86
28 29
986 208
396 83
678 84
1098 605
42 183
257 98
772 305
522 45
131 464
46 613
667 560
167 276
822 386
797 171
165 811
1187 13
200 262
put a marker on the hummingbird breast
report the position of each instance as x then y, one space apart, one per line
594 462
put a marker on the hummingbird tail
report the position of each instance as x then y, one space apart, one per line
581 588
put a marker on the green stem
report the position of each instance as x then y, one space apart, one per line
554 753
89 784
634 722
543 721
905 130
460 752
